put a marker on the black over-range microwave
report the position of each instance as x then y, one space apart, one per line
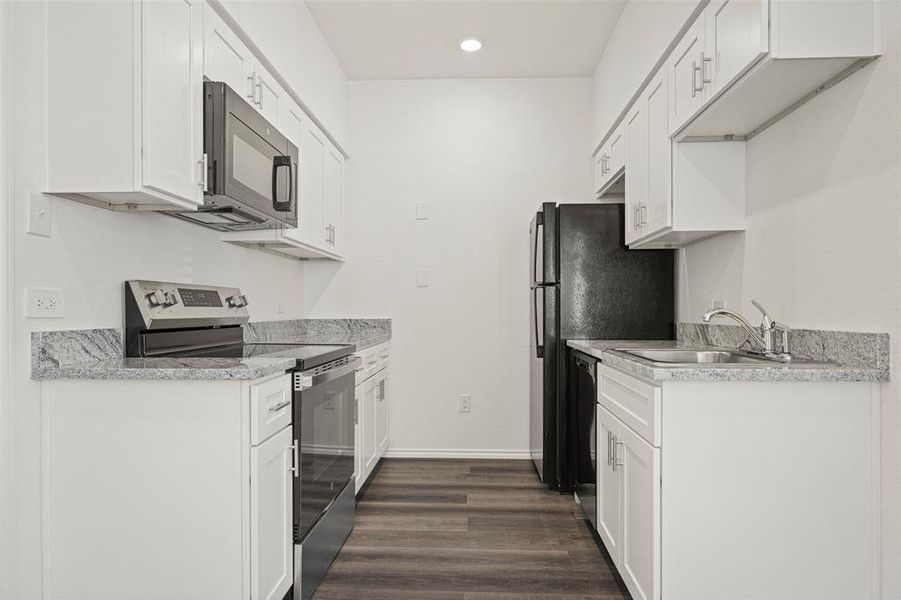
251 178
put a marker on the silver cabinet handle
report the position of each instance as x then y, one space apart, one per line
259 90
280 405
609 448
204 165
695 70
643 213
616 463
704 78
636 218
295 468
251 86
356 412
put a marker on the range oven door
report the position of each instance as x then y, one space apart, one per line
251 166
324 425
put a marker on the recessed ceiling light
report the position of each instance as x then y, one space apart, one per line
471 45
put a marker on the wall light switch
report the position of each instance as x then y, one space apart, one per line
465 403
38 215
422 278
44 303
422 211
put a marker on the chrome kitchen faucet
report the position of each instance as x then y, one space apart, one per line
765 340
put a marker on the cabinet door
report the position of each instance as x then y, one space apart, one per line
369 417
225 57
172 97
269 96
617 153
736 37
598 170
381 429
271 505
657 213
685 75
636 170
358 439
312 185
639 465
333 197
608 486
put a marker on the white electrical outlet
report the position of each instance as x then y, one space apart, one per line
39 215
465 403
422 211
717 304
44 303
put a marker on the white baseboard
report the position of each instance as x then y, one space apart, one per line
434 453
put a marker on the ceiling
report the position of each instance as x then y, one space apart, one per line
420 39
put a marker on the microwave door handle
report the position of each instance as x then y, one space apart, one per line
279 162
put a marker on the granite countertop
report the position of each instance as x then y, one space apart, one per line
169 368
99 353
606 352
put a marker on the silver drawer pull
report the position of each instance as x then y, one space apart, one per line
280 405
295 468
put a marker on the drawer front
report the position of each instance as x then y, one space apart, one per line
270 408
635 402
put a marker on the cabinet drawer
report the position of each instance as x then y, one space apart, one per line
635 402
270 407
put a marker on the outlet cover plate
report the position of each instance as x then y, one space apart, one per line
45 303
465 403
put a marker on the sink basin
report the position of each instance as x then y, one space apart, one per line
716 357
700 357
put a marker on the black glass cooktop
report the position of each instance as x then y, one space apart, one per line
307 355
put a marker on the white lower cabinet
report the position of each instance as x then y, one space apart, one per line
629 504
271 501
371 401
167 490
737 490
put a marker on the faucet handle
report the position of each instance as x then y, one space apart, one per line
767 321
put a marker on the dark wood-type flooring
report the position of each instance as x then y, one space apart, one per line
468 530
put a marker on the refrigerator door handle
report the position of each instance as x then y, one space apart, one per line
539 224
539 347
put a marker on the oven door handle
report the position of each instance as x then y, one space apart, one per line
307 379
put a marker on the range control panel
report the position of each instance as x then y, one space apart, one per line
163 304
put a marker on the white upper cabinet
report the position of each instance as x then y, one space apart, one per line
225 57
686 68
756 60
609 163
313 148
172 116
636 170
658 212
333 194
736 37
125 103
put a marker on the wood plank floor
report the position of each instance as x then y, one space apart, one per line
468 530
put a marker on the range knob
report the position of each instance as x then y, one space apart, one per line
162 299
236 301
157 298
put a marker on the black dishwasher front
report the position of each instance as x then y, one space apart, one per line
583 390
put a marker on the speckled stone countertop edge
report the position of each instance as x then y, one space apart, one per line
605 351
97 353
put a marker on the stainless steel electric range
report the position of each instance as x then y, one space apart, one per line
188 320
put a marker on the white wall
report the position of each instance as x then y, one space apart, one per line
89 255
6 547
822 248
484 154
644 31
289 37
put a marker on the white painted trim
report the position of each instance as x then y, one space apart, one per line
7 532
444 453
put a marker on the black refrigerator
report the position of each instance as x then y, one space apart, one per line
586 284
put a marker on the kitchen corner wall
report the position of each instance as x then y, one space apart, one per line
92 251
482 154
822 248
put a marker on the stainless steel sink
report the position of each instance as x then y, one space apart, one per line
713 357
699 357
